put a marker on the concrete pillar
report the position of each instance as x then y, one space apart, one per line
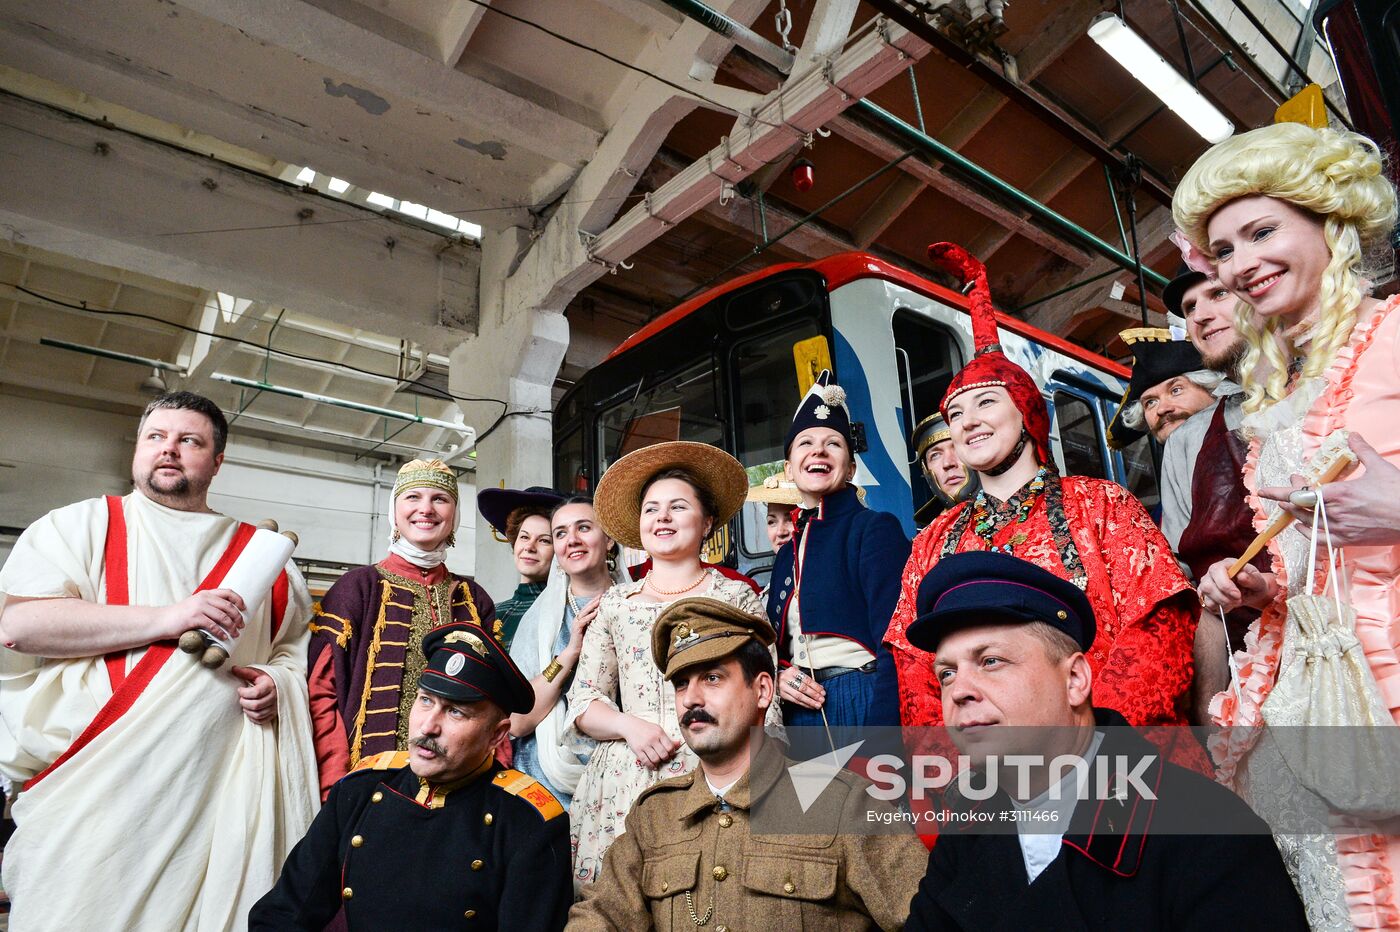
514 357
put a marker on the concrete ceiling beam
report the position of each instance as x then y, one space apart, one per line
344 140
1044 189
827 30
1058 314
971 118
106 196
881 146
803 104
886 209
457 28
553 265
220 349
386 65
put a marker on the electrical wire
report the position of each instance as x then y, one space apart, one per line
113 312
488 7
427 389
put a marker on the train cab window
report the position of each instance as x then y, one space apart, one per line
1140 460
1081 445
926 355
764 376
569 466
681 406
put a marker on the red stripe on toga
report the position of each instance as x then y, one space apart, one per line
129 687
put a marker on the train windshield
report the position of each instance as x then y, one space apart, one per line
683 405
765 396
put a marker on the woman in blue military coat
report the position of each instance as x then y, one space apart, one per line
836 583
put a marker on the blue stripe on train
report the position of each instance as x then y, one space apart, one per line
892 493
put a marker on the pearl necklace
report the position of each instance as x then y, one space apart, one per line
659 591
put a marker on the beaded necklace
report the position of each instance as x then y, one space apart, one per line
987 522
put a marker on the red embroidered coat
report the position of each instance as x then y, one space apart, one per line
1095 530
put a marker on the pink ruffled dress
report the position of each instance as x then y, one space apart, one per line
1346 872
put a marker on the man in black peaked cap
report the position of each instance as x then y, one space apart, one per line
438 836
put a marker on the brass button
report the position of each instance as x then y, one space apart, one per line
1062 615
470 914
346 893
726 820
488 818
477 864
376 797
357 841
720 873
665 886
789 887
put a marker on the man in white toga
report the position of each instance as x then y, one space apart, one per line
154 793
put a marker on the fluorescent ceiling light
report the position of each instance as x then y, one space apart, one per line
1141 61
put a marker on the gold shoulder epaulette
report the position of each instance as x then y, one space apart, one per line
1146 335
385 760
531 790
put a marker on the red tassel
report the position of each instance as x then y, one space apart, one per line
955 260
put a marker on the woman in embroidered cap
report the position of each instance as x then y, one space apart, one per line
366 638
835 583
665 499
1297 223
1090 531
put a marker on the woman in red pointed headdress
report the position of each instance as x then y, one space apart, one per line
1090 531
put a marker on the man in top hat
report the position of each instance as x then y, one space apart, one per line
1205 514
521 517
1140 848
948 479
1169 384
700 850
129 756
438 836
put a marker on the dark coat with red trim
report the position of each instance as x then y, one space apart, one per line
850 578
489 858
1113 873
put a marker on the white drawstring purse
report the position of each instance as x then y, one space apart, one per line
1328 718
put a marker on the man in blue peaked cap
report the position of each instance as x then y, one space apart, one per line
1142 849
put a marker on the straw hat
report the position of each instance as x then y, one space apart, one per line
618 498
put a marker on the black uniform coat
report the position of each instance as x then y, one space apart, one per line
1111 872
494 854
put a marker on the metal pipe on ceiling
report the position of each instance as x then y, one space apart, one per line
911 135
918 139
114 354
1044 111
348 440
743 36
342 403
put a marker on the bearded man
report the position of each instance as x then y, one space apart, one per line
153 793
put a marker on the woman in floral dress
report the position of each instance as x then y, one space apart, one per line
664 499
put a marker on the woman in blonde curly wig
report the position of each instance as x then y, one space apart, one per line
1335 176
1289 216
